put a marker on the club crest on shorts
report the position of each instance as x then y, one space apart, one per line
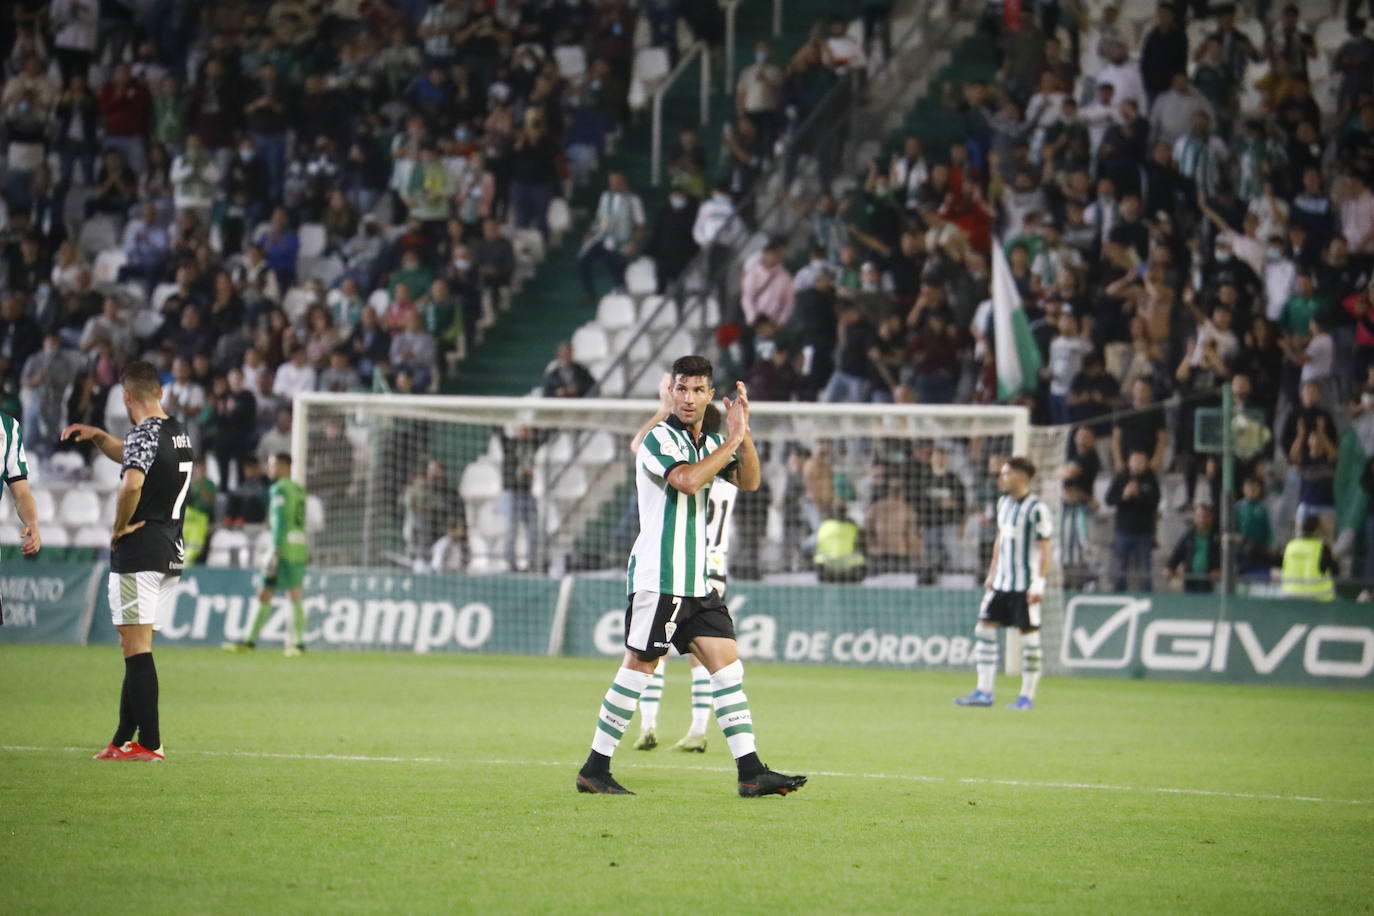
669 629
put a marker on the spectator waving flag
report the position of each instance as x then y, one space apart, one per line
1017 357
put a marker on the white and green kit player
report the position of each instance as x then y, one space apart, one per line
719 509
1015 584
284 566
670 604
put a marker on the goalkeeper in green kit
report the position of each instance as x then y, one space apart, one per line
284 567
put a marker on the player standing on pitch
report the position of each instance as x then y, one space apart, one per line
719 506
146 550
670 604
1015 584
284 567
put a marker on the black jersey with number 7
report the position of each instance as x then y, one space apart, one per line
161 448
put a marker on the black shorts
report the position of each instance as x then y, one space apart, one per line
655 621
1010 609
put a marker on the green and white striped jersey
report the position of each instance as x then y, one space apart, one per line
1021 525
669 556
16 462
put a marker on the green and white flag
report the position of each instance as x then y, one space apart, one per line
1018 358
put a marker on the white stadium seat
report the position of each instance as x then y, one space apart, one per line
640 277
57 536
68 464
589 344
46 506
639 345
313 238
615 312
92 536
571 60
107 266
104 474
559 216
80 507
598 449
658 318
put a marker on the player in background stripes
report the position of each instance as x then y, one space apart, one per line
1015 584
720 506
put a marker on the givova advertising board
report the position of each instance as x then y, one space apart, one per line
1183 637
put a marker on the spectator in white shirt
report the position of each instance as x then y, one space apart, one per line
1357 216
1123 74
1280 274
295 376
1100 114
841 51
277 439
908 172
194 179
758 95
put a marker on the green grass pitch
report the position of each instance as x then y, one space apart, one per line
268 804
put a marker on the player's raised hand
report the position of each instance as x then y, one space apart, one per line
742 394
736 419
665 392
80 432
30 541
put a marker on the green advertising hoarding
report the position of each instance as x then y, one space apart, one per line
1172 636
1162 636
364 610
47 602
810 624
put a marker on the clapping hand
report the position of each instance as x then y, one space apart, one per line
737 413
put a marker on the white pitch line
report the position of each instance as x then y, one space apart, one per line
903 777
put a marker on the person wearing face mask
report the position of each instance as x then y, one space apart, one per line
758 96
670 243
1280 277
246 185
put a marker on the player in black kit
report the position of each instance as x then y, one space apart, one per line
146 548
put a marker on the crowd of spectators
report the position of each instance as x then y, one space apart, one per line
1177 215
266 198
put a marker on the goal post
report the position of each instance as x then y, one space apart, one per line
507 492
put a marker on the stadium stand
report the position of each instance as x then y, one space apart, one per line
276 197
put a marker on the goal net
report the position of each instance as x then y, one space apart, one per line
867 544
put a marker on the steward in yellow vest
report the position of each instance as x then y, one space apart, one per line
1308 565
839 548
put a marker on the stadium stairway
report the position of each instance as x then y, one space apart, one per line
551 305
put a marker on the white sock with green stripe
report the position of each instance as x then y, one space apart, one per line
648 702
985 656
701 701
617 709
732 709
1030 663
